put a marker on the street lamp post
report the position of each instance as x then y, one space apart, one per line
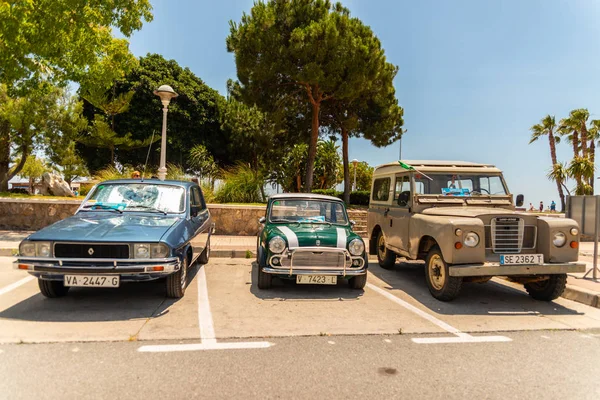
166 93
355 162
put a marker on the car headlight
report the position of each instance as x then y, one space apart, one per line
159 250
35 249
559 239
574 231
27 249
471 239
277 245
356 247
141 250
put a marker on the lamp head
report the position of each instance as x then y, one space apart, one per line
166 93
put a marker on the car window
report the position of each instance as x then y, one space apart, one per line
139 196
381 189
402 185
196 198
308 211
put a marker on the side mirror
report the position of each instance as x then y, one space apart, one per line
520 200
262 220
404 198
352 222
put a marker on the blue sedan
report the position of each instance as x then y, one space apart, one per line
124 230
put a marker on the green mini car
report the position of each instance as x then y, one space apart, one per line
308 238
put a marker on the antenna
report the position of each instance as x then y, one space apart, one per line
148 156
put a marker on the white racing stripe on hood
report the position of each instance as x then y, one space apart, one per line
341 238
291 237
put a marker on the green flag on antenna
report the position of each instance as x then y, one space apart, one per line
406 166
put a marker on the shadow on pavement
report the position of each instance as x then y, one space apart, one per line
130 301
288 290
489 298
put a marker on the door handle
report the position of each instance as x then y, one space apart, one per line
385 213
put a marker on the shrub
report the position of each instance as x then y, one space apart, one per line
208 193
110 173
241 185
326 192
357 198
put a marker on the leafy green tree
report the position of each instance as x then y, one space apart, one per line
56 41
65 40
202 163
547 127
327 165
307 51
364 175
582 167
70 164
25 121
33 169
194 116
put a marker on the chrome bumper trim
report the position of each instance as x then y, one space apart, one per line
97 266
286 271
495 269
314 269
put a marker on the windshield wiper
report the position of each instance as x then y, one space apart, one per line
102 207
149 208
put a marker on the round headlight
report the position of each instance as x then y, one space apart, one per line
27 249
356 247
277 245
458 232
574 231
471 239
559 239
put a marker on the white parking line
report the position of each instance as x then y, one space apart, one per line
461 336
208 340
15 285
205 319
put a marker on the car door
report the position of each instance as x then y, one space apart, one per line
399 213
200 221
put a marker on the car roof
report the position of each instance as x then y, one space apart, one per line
437 166
186 184
304 196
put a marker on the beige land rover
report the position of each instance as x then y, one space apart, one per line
459 217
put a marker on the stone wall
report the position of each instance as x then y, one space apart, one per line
34 214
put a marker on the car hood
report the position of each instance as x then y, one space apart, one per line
308 234
107 227
469 211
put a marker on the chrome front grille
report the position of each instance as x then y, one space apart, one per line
506 235
315 259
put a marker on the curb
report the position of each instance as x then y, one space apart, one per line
582 295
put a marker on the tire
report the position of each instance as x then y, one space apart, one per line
176 282
441 285
385 257
53 289
203 259
358 282
549 289
264 280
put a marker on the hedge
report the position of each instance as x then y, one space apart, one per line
357 198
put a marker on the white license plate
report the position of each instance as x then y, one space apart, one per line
513 259
92 280
317 279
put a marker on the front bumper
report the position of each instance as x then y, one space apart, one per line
128 269
496 269
336 272
287 265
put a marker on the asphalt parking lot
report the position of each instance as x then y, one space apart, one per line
222 304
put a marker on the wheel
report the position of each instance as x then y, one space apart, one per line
53 289
385 256
441 285
358 282
264 280
203 259
177 281
549 289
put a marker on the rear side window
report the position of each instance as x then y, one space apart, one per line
381 189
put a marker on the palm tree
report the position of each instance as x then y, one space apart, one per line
582 168
547 127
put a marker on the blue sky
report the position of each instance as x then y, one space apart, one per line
474 74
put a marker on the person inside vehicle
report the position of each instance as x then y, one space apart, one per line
135 175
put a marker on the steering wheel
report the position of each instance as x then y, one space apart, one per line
475 192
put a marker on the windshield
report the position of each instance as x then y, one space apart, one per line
308 211
460 184
137 197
